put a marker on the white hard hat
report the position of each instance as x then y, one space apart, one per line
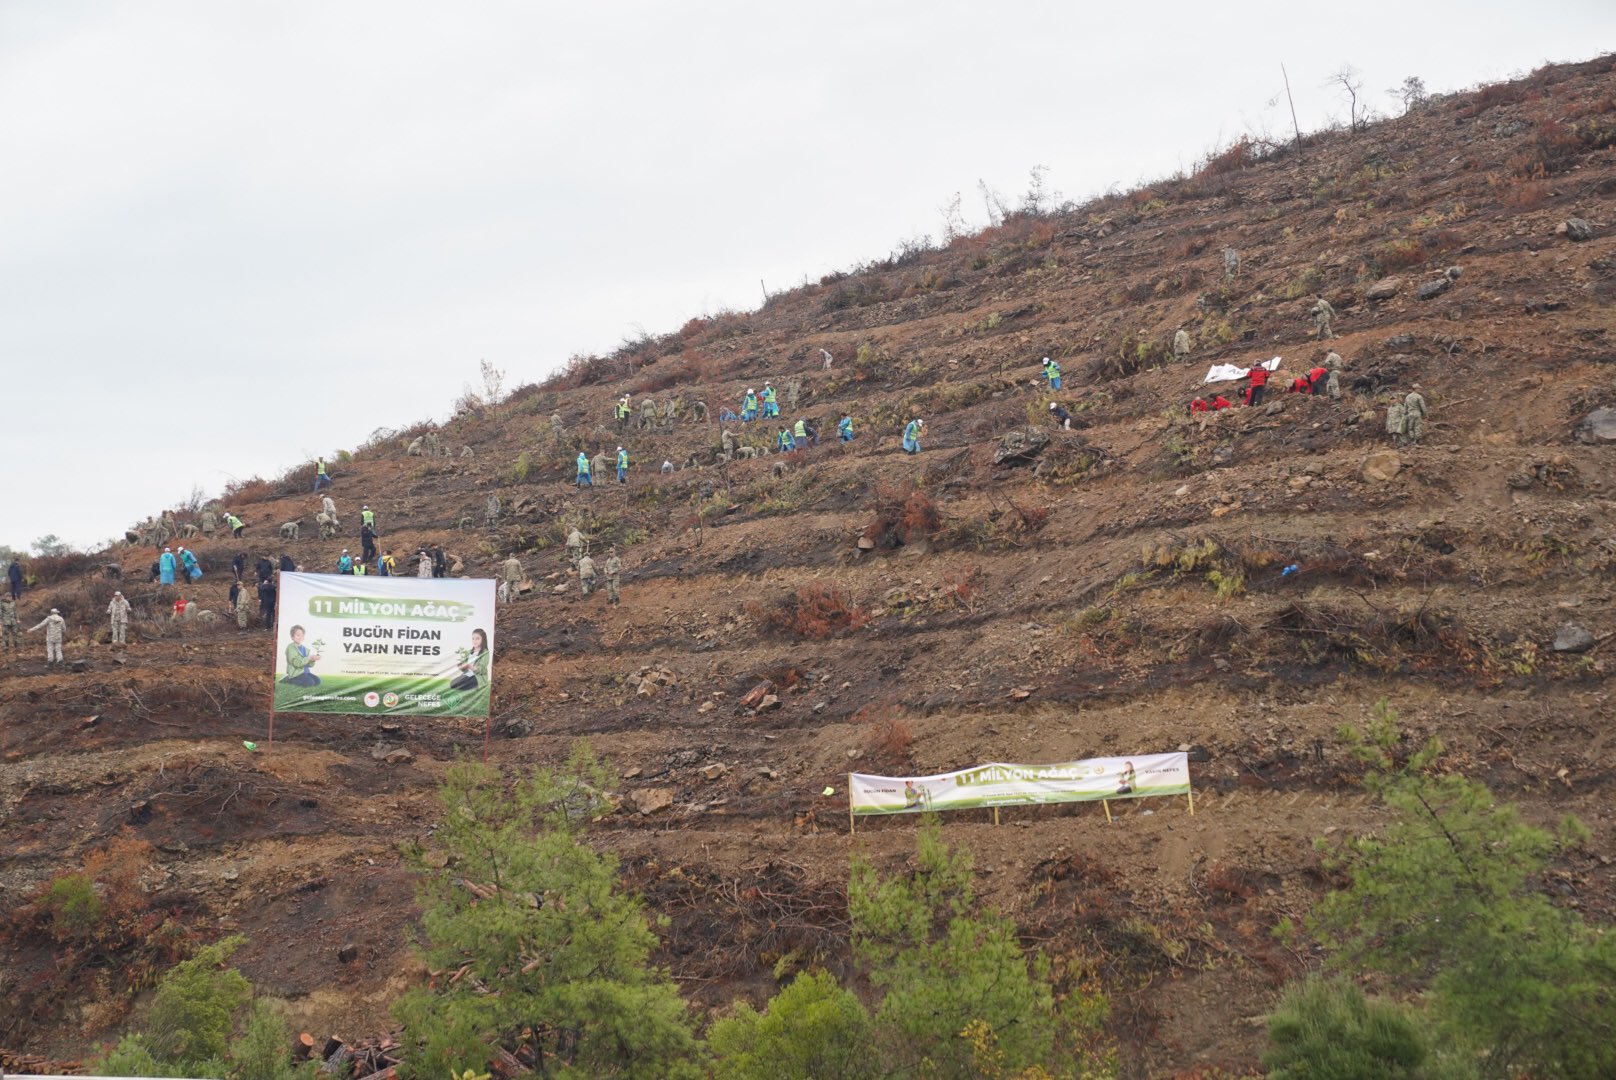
1052 406
1046 359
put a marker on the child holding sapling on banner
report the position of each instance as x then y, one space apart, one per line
473 662
299 659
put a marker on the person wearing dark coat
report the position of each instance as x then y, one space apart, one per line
14 575
266 602
287 565
265 569
238 565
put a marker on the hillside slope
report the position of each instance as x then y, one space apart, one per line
1122 592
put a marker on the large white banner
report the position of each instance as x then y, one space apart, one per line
1021 785
416 646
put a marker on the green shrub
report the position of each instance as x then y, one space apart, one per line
74 906
1327 1030
812 1030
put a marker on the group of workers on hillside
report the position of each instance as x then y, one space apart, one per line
1405 418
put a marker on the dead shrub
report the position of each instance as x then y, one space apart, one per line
903 515
816 611
50 569
1231 882
887 744
1416 250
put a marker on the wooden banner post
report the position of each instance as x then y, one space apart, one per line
1107 804
852 825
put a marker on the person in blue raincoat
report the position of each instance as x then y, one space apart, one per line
844 427
749 406
188 560
771 404
911 436
583 470
622 465
165 567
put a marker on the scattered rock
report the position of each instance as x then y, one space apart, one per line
770 701
1222 456
1021 693
650 800
437 860
629 774
1453 273
1598 426
1433 289
348 954
1575 229
754 697
1384 289
715 770
707 706
1572 638
1399 343
78 665
1382 466
400 756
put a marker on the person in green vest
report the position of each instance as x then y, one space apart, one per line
844 427
749 406
911 436
237 526
320 478
298 662
583 471
771 406
1052 372
783 441
475 665
367 516
622 465
799 435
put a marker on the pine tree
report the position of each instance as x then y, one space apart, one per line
556 956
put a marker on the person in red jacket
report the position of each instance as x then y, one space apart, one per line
1199 405
1300 385
1316 377
1259 379
1220 402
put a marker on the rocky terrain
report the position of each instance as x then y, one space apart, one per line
1120 588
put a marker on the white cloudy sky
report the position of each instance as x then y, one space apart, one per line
234 234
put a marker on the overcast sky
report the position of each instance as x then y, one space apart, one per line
233 235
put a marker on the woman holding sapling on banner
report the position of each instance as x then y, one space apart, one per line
298 661
1128 780
473 663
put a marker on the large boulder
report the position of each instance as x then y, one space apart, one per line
1381 467
1572 638
1019 446
1575 229
1384 289
1432 289
1598 426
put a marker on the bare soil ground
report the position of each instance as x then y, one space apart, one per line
1134 585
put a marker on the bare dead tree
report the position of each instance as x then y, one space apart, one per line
1351 84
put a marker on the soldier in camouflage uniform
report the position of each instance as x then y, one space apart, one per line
491 511
1323 313
698 413
1182 345
1231 264
118 611
667 414
614 575
8 621
1332 364
1396 417
648 414
793 392
1414 413
210 521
